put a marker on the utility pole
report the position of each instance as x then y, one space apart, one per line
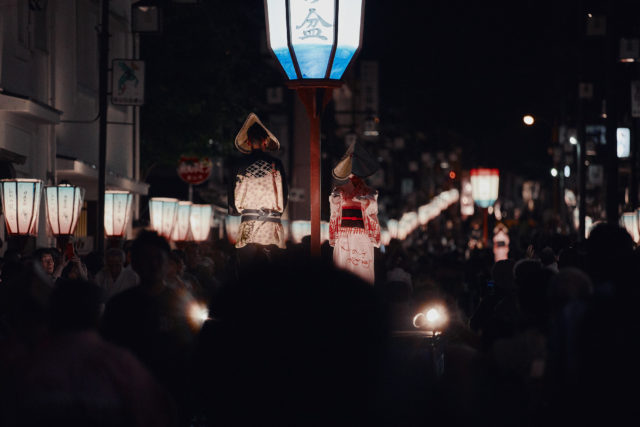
611 58
103 73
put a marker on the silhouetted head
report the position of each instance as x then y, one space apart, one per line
257 136
609 254
149 254
114 261
502 274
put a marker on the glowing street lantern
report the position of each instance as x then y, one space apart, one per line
200 219
385 237
466 200
63 205
433 319
423 214
117 212
314 39
181 227
629 221
232 225
162 211
392 226
21 205
484 186
324 231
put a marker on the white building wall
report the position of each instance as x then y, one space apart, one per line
49 57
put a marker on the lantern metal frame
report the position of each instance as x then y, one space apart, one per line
197 213
183 237
127 215
75 212
162 201
325 82
32 228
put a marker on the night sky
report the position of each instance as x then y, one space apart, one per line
463 73
472 69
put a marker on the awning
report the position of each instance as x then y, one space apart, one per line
25 106
85 175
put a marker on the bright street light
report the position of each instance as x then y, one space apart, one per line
554 172
528 120
573 140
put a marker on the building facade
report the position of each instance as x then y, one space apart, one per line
49 101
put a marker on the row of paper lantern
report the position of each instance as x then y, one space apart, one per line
180 220
63 204
409 221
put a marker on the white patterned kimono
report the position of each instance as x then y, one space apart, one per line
259 194
354 229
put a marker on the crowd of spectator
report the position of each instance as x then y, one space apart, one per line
546 336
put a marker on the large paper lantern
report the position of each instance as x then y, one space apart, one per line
182 227
200 219
314 40
117 212
484 186
63 206
162 212
21 205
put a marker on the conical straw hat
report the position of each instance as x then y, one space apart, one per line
242 142
355 161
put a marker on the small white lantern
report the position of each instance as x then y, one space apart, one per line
181 227
162 212
324 231
423 214
629 221
200 219
385 237
484 186
314 40
63 206
392 226
117 212
21 205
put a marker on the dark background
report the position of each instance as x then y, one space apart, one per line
453 73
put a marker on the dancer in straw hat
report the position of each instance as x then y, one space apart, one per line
354 229
258 192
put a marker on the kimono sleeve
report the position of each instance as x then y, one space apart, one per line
335 202
285 185
371 219
231 189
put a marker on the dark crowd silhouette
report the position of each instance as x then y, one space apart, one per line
147 335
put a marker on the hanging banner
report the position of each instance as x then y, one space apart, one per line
127 83
194 170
